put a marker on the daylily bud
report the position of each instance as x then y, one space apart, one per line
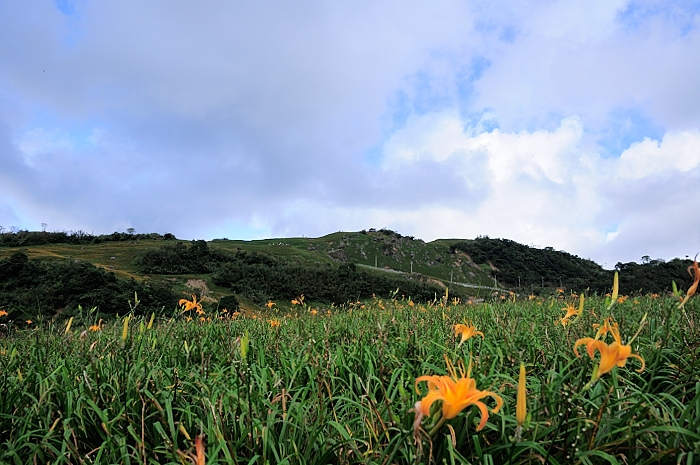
125 329
68 325
615 291
521 402
245 341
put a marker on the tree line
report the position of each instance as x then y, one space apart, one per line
22 238
517 265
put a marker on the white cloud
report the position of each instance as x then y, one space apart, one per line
530 179
442 136
502 119
579 58
677 151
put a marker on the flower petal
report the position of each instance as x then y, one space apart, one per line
639 357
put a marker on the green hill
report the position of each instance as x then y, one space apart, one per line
335 268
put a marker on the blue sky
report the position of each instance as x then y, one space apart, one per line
570 124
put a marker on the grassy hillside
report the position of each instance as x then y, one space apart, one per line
382 249
468 267
386 250
118 257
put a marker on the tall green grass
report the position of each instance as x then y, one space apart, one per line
339 387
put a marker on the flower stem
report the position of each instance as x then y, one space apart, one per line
435 428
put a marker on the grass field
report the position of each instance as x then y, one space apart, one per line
316 385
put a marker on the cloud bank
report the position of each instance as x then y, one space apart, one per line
574 125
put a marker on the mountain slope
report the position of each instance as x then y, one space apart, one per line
473 266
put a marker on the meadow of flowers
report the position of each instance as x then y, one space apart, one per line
514 380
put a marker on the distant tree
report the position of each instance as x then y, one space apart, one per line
130 230
229 302
43 227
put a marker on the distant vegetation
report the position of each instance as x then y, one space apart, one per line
48 289
338 268
261 277
24 238
178 258
520 266
328 284
652 276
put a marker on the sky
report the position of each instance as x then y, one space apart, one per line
567 124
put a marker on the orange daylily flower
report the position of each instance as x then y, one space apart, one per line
190 304
96 327
466 331
611 355
3 313
694 272
570 311
271 304
456 394
274 323
603 329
